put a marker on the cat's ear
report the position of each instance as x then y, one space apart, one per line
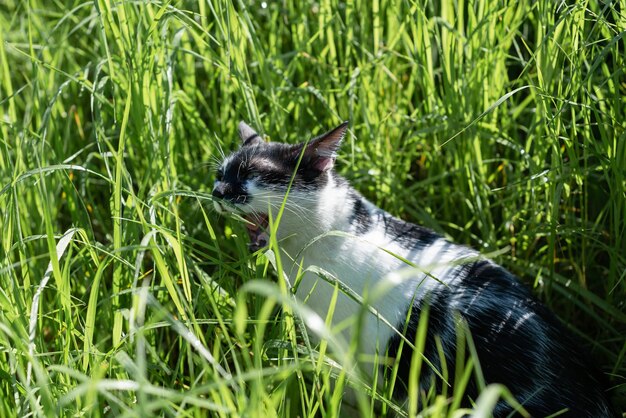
322 151
248 135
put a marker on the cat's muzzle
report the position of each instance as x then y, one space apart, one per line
256 224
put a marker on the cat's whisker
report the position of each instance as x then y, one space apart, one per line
213 165
291 201
221 151
302 216
301 209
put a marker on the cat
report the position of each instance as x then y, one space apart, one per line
519 342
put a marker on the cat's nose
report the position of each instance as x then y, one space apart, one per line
219 191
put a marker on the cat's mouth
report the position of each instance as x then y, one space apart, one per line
257 230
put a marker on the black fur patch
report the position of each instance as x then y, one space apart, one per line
361 219
407 234
518 341
440 323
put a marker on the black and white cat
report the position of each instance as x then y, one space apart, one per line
518 341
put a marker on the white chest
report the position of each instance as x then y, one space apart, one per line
366 269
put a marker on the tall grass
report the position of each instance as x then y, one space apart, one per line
500 124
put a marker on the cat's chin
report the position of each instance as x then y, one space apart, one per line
257 230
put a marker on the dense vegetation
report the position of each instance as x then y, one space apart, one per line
498 123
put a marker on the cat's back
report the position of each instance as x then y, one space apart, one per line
518 341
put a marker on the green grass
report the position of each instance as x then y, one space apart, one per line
500 124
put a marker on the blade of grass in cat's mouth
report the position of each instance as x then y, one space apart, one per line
257 230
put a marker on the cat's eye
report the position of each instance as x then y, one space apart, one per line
219 175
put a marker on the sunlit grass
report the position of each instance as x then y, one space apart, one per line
499 124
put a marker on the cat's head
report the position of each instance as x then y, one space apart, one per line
256 177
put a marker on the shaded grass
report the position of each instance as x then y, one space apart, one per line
498 124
